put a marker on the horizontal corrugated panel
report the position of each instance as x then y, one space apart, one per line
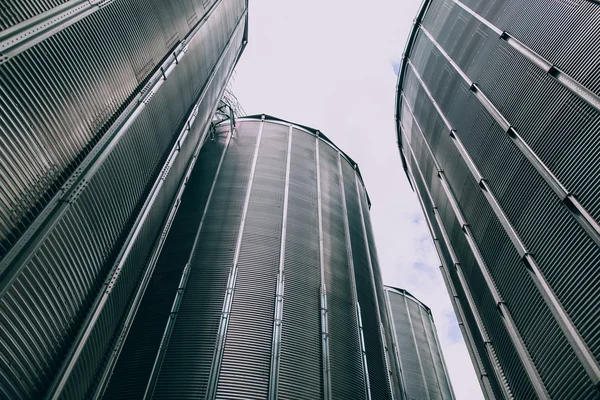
347 379
469 314
526 96
192 342
84 242
16 11
366 296
131 373
563 32
246 361
300 374
409 357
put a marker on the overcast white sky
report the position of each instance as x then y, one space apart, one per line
330 65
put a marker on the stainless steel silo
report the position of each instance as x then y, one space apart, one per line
498 114
424 371
103 107
268 284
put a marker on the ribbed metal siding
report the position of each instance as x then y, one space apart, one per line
347 379
247 355
300 370
561 129
61 96
85 241
378 374
421 359
192 342
132 372
15 11
245 366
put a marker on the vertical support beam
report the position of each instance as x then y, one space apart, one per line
414 337
556 308
467 333
398 357
430 340
213 378
324 316
277 321
509 324
182 286
438 347
353 280
375 297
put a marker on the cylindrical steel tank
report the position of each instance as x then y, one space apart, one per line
268 284
103 107
424 372
498 118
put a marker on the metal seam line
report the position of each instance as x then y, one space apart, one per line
429 339
211 390
530 368
363 350
153 378
559 314
395 344
579 213
375 297
468 335
278 317
32 239
353 280
28 33
487 342
436 339
93 316
148 274
414 338
563 78
449 283
324 315
476 316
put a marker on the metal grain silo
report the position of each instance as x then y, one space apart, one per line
418 349
103 107
498 119
268 284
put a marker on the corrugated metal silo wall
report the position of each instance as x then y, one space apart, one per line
423 368
264 188
101 120
503 97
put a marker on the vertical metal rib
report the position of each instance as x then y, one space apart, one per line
24 249
81 340
445 374
373 285
467 333
152 264
181 290
213 378
395 345
276 345
353 280
567 81
579 213
506 317
324 316
437 373
26 34
414 338
560 315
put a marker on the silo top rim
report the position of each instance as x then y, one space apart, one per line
407 294
315 132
